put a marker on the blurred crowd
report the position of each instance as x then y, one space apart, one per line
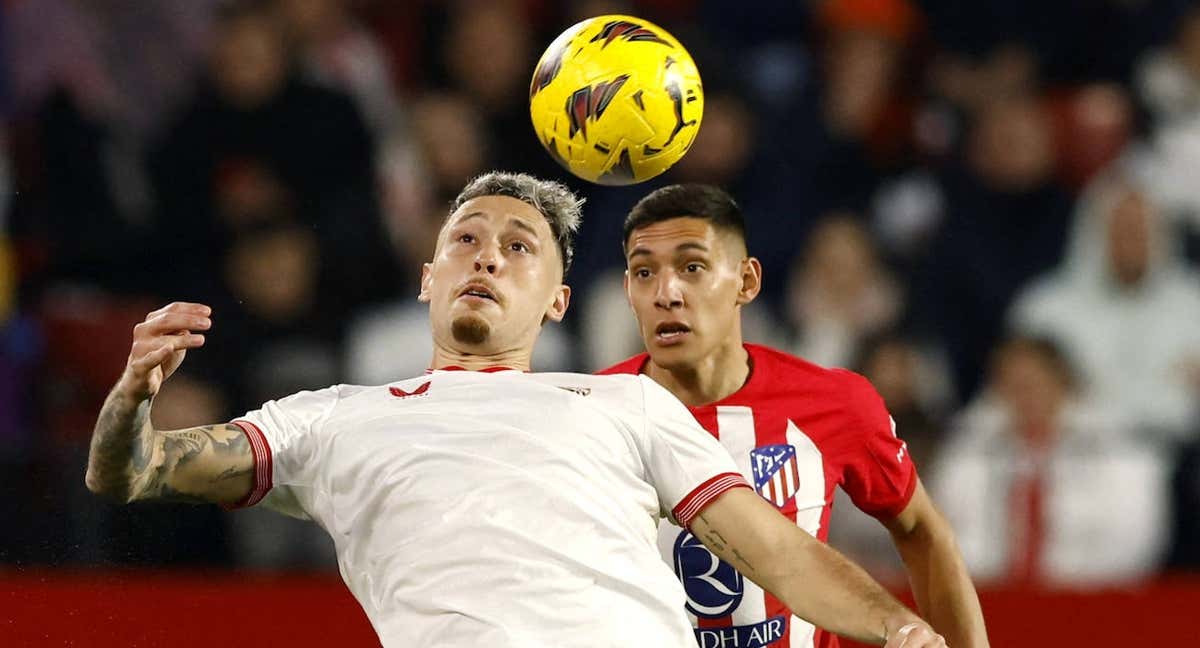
990 209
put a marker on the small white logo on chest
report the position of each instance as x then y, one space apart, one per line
582 391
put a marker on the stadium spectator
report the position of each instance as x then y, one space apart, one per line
840 292
1006 222
1168 78
253 116
336 50
1036 473
1124 308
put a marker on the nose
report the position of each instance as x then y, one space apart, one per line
667 294
487 259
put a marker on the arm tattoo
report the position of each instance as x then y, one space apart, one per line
117 443
719 543
232 473
746 566
714 538
171 452
130 460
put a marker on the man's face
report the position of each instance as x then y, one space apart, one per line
687 281
1029 385
1129 234
495 276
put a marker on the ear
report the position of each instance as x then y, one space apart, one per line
426 283
751 281
558 307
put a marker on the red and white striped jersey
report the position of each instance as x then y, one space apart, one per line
795 430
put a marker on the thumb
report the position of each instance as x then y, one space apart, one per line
142 367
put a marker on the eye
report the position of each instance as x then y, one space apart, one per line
518 246
466 238
642 273
694 267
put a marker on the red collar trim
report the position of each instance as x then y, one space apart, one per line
458 368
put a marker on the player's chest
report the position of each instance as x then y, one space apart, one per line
429 431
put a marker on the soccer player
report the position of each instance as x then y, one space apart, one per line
795 430
480 505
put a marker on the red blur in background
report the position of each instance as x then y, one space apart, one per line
182 609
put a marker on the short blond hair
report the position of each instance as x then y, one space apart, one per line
561 207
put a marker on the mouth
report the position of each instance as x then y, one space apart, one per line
478 291
669 333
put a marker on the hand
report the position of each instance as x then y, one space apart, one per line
915 635
159 345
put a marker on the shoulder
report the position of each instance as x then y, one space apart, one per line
785 372
312 397
978 431
1041 303
775 365
356 396
616 385
628 366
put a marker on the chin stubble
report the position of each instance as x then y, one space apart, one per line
470 329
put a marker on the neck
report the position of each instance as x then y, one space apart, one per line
1039 432
715 377
443 357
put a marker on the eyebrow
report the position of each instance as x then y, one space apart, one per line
474 214
522 225
682 247
517 222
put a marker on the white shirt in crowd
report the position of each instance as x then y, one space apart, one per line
497 509
1105 498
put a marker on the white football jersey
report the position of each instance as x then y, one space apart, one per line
497 508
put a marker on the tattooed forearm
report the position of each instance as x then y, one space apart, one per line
717 542
117 443
168 494
746 567
714 538
232 473
173 455
130 460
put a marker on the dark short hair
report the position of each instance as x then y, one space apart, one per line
1047 348
703 201
561 207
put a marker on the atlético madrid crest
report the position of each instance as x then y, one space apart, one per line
776 475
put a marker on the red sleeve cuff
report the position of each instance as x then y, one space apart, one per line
262 465
705 494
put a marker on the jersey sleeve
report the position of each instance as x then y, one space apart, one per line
687 466
879 474
284 438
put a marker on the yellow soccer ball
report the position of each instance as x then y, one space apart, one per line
616 100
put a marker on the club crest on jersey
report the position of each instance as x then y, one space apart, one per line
776 474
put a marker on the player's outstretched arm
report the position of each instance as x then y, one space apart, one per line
814 580
129 460
937 573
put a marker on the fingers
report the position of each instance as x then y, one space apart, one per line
923 638
141 364
170 322
189 308
916 635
